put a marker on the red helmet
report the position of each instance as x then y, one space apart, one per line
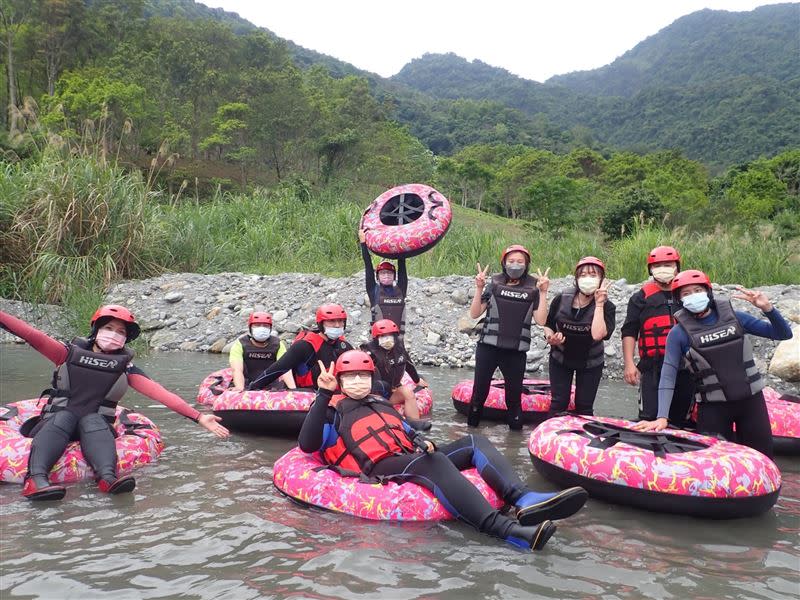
261 318
354 360
664 254
590 260
384 327
515 248
330 312
115 311
385 266
690 277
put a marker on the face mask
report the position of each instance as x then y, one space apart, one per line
260 334
355 385
108 341
334 333
663 274
385 278
696 302
515 271
588 285
386 342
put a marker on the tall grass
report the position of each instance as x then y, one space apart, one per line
70 224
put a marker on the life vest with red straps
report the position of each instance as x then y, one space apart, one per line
369 431
656 320
305 374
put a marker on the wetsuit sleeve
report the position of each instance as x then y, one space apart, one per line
369 274
411 369
610 316
311 433
632 324
486 295
402 276
298 353
553 312
677 347
144 385
281 350
775 329
51 349
236 354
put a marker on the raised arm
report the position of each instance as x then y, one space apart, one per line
51 349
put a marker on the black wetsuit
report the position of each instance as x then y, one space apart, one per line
375 290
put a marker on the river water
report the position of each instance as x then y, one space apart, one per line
206 522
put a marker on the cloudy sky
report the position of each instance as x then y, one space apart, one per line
531 38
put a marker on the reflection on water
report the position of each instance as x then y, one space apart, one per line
206 522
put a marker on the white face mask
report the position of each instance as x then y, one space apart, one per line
588 285
334 333
355 385
696 303
260 333
663 274
386 342
108 340
386 278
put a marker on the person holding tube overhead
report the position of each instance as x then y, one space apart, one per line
578 322
386 287
512 300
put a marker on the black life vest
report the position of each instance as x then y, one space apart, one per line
369 431
258 358
579 350
656 319
89 382
391 364
390 306
508 317
325 349
720 356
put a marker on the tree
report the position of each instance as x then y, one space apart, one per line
61 29
13 15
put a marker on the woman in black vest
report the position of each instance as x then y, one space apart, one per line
511 300
253 352
386 287
578 322
392 450
91 376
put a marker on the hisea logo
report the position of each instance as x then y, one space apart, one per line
98 362
717 335
392 301
515 295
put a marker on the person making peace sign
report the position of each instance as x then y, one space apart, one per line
511 299
578 322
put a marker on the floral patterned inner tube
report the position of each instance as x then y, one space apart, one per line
406 220
304 478
535 399
138 443
670 471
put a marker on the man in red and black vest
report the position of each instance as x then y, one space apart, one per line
649 319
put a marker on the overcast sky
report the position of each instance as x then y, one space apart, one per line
532 38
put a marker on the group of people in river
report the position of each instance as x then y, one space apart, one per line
692 346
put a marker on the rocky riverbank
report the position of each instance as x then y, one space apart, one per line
205 313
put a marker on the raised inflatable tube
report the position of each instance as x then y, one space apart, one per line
535 400
270 412
304 478
138 443
671 471
406 220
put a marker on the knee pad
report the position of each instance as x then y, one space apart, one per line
92 423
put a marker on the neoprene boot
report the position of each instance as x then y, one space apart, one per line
530 538
514 418
536 507
37 487
120 485
474 416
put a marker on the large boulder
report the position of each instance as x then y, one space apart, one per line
786 360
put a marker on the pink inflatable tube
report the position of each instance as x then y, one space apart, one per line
271 412
535 399
303 478
138 443
671 471
406 220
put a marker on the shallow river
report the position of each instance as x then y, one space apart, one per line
206 522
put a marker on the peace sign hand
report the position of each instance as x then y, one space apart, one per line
756 298
542 280
601 294
480 278
326 379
